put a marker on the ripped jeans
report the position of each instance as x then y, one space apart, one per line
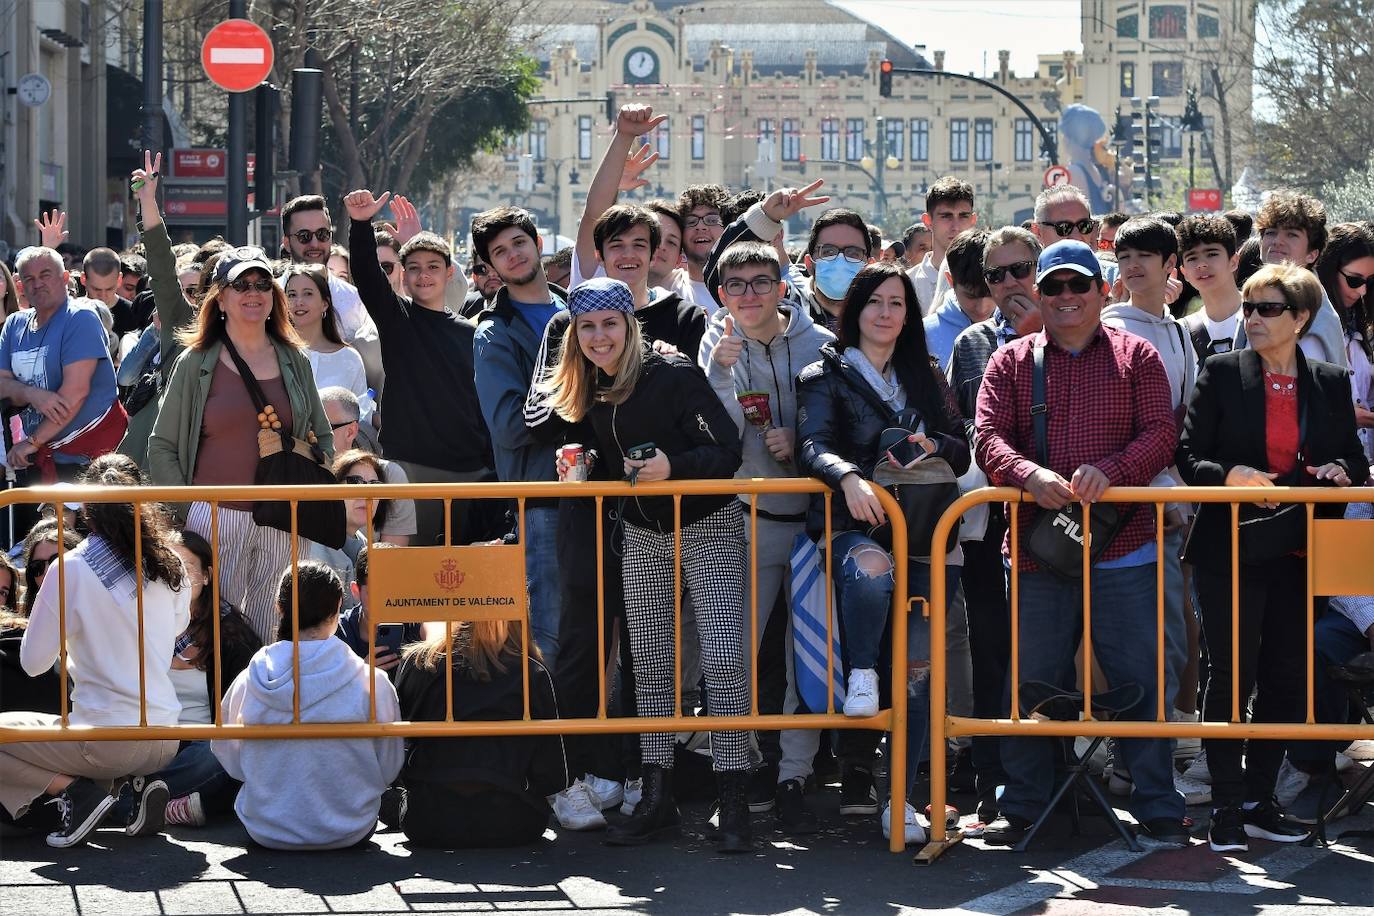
863 585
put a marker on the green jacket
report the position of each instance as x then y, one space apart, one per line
176 433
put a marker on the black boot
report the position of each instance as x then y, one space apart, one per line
656 812
734 833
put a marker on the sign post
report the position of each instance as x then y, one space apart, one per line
237 55
1057 176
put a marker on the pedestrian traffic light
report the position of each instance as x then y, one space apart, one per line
885 79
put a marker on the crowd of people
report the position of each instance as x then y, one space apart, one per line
677 340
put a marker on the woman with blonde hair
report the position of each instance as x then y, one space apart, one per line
206 432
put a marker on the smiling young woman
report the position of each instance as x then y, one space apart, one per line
311 307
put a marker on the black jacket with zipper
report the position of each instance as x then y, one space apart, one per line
840 419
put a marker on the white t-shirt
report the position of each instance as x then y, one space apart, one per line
194 695
343 367
1225 329
400 514
926 278
352 317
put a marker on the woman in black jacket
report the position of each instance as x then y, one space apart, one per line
879 377
481 790
1262 417
663 412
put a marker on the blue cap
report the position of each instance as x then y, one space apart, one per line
601 294
1068 254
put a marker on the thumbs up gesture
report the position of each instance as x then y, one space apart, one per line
728 348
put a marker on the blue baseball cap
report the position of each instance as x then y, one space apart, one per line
601 294
1069 254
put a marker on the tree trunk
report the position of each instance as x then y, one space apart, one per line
338 117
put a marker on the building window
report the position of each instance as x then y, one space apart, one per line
1168 22
767 151
698 137
830 138
1128 26
893 134
1166 78
1128 79
1171 139
958 140
511 150
1209 82
982 139
661 138
1025 140
584 136
1208 26
791 140
854 139
920 140
539 140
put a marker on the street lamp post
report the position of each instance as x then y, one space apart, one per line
1192 124
875 168
558 189
992 167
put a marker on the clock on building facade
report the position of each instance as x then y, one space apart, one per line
641 66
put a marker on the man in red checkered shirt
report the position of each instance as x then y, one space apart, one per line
1110 422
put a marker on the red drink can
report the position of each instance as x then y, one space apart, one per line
576 459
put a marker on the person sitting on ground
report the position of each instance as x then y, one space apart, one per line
96 601
353 622
322 794
478 791
18 691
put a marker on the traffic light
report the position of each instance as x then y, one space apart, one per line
610 108
801 160
885 79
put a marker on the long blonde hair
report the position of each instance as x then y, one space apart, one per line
573 384
208 327
480 646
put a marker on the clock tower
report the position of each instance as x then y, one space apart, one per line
641 66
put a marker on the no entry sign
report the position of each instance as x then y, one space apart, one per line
236 55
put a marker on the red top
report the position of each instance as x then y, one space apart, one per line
1281 422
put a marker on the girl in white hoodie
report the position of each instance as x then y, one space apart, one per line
319 793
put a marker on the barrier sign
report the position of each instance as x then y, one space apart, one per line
447 583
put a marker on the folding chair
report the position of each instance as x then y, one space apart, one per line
1358 677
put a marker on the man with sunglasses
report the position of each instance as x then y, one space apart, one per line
1109 421
481 289
949 211
1062 213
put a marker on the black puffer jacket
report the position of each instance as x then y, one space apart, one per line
673 407
840 419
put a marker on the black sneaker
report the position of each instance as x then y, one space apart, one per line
151 814
1267 821
1227 832
793 815
763 783
1168 831
393 807
1007 830
83 806
857 792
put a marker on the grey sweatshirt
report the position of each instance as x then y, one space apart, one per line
318 794
771 368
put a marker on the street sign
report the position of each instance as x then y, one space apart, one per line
236 55
1056 176
1204 199
207 164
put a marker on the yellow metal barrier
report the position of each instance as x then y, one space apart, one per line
892 720
1337 564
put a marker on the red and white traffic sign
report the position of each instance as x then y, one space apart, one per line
1056 175
237 55
1204 199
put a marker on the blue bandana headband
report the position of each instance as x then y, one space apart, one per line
601 294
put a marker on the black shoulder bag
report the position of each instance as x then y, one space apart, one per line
1056 539
284 460
1267 534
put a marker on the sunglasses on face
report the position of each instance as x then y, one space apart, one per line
1020 271
334 426
243 285
356 479
1266 309
1354 281
1065 227
761 286
480 270
190 291
305 235
1079 285
388 267
40 566
710 219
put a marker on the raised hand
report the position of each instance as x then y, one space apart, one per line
637 120
407 224
52 228
636 162
727 350
362 206
785 203
144 181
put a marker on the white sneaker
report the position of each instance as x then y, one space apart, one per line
1194 792
1290 783
634 790
576 808
1198 769
1185 748
915 833
608 792
861 697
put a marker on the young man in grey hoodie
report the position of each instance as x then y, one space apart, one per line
753 349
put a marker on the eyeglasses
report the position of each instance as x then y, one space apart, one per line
341 425
1065 227
243 285
1354 281
387 267
852 253
480 270
1079 284
711 219
356 479
39 566
305 235
1020 271
1266 309
190 291
761 286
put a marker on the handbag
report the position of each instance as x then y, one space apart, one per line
924 491
1267 534
284 460
1056 539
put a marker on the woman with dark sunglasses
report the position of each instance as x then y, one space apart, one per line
206 432
1261 417
354 466
1346 270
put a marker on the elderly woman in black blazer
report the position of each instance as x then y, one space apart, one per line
1262 417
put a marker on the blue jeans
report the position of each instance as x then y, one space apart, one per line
1336 642
194 769
1123 635
541 573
